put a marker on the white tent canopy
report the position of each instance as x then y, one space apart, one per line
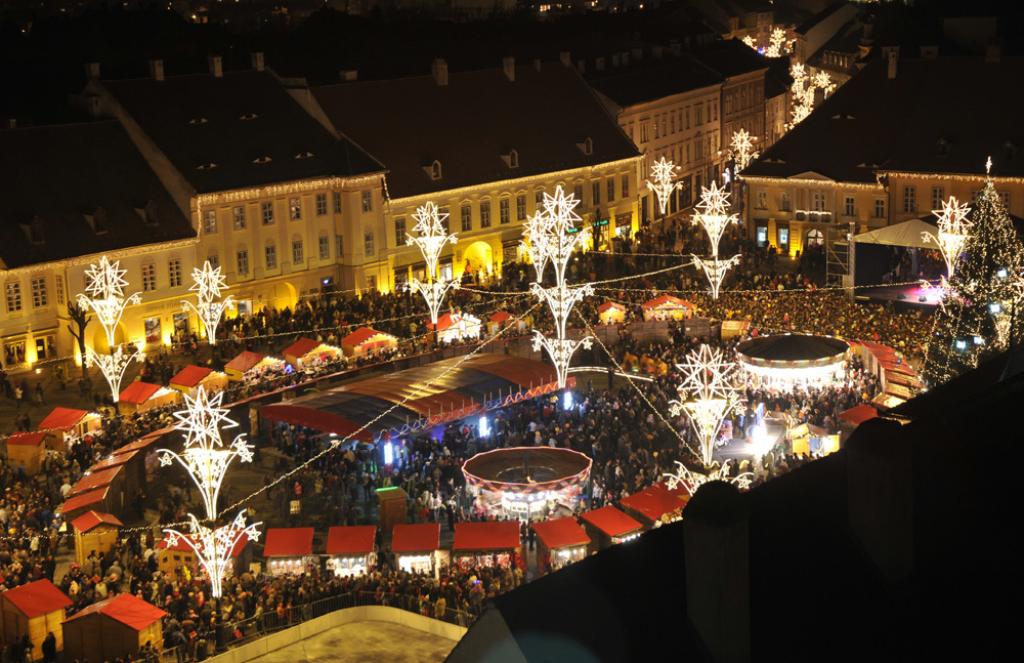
909 233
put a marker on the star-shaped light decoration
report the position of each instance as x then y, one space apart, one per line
712 214
953 231
663 173
104 295
431 237
776 43
214 546
208 284
690 481
707 395
113 366
742 144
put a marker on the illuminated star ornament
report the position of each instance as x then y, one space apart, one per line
104 285
113 366
662 182
553 238
803 91
690 481
431 237
742 144
953 231
713 214
776 43
214 547
707 395
208 284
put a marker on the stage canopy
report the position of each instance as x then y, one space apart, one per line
908 233
423 396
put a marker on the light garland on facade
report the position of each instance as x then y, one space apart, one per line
431 238
663 173
743 152
208 283
553 239
776 44
707 395
803 91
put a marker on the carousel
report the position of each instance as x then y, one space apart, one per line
527 483
787 361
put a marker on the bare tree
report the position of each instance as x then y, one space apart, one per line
79 316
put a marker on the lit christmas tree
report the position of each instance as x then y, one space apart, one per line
979 316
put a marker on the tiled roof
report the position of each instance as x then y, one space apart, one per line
218 131
469 124
653 79
920 127
63 181
730 58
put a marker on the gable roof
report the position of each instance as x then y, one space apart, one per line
37 598
33 439
92 519
352 540
125 608
62 418
57 178
301 347
470 123
233 122
138 392
487 535
191 375
244 361
560 533
288 542
652 79
420 537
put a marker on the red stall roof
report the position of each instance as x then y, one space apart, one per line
62 418
141 443
37 598
356 540
416 538
128 609
191 375
113 460
561 532
28 439
91 519
859 414
361 335
85 499
490 535
288 542
653 502
667 300
244 361
320 420
500 316
138 392
96 480
301 347
611 521
607 305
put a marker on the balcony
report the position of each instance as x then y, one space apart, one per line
814 216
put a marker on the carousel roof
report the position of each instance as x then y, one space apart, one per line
792 347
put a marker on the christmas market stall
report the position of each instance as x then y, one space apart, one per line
249 366
350 550
33 609
310 354
417 547
288 550
170 558
366 341
111 478
26 451
562 541
667 307
497 321
654 506
190 378
456 327
608 526
99 500
488 543
95 531
68 425
115 628
611 313
141 396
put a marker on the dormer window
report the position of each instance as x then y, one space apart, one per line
942 147
245 117
98 221
587 146
34 231
209 165
262 159
434 170
304 155
197 121
511 159
148 214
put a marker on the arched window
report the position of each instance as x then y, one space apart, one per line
815 237
513 159
435 170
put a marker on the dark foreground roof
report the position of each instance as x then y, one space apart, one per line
898 547
219 132
55 179
652 79
920 121
470 123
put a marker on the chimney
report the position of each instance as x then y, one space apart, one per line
566 58
716 549
256 59
993 52
439 69
92 70
12 123
216 66
599 64
638 54
536 64
349 75
892 57
156 69
508 65
929 52
92 105
675 47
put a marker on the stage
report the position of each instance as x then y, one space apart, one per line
913 296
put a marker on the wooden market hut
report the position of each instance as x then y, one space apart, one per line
654 505
306 351
287 549
171 558
350 550
110 479
141 396
113 628
667 307
367 341
68 424
611 313
607 526
94 531
417 547
99 499
36 609
249 363
562 541
190 378
26 450
479 542
133 474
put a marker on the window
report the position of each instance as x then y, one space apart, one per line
210 221
325 247
400 231
214 260
849 208
39 291
698 115
337 202
267 210
58 282
485 214
577 192
595 192
815 237
879 208
321 204
13 290
149 277
297 252
339 240
294 209
1005 197
657 128
686 114
538 198
672 123
909 199
714 111
435 170
371 282
937 197
610 187
625 186
466 214
446 219
520 207
367 201
242 260
270 256
643 131
504 215
238 218
762 200
368 243
818 201
174 272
